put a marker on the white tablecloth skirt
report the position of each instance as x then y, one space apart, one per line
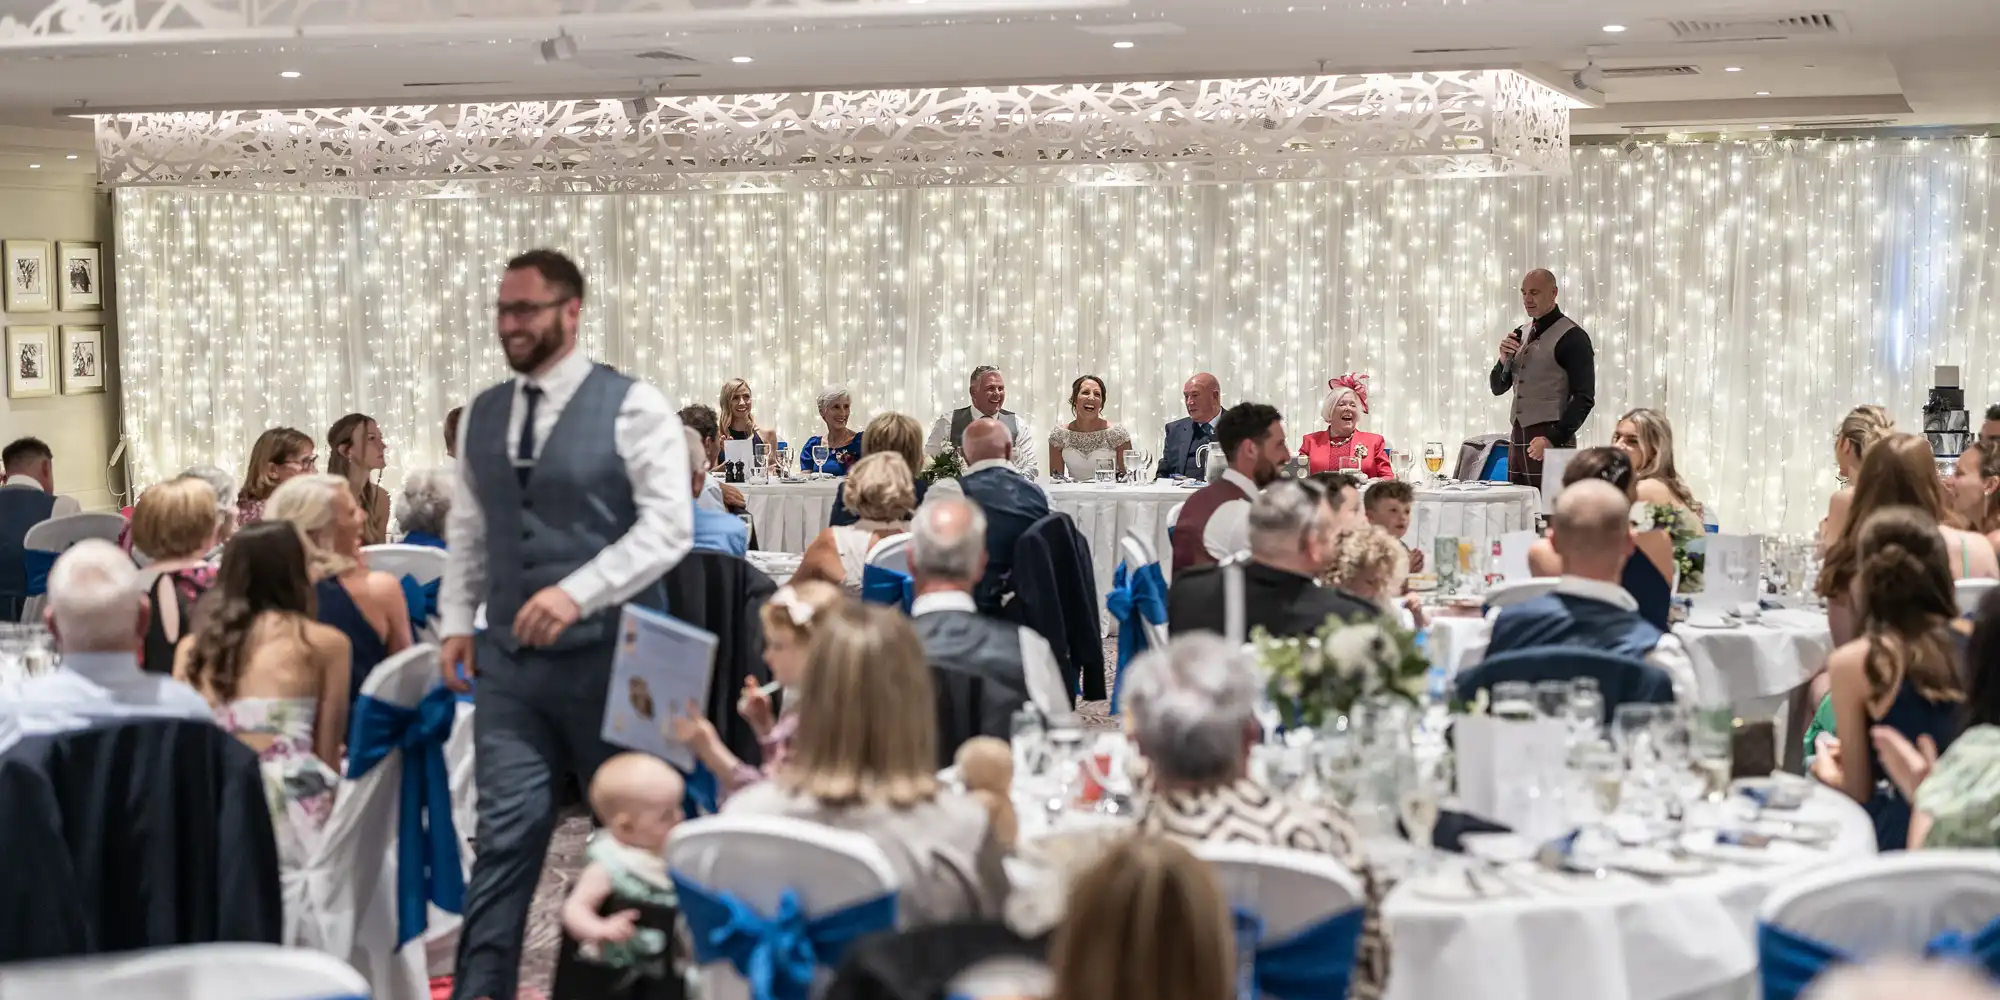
1621 940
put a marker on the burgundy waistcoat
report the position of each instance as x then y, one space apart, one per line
1188 549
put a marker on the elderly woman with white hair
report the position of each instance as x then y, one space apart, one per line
423 506
1190 708
842 443
1344 446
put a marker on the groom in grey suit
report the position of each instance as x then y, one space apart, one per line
1203 397
572 500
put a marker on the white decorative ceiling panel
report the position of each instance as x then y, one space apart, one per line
56 23
1471 123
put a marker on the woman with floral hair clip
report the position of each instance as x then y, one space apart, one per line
1343 446
788 619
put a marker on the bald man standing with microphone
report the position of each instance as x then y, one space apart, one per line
1549 364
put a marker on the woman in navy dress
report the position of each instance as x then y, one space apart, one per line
367 606
843 443
1901 672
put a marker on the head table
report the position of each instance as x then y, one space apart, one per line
789 516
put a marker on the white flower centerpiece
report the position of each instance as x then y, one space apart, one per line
1317 678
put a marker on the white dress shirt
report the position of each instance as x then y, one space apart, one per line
91 687
1038 660
647 436
1025 458
65 506
711 495
1228 529
1668 655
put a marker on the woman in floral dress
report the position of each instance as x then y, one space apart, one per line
277 678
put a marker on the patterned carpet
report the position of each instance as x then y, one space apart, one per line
538 953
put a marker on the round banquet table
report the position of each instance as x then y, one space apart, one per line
1470 512
1566 938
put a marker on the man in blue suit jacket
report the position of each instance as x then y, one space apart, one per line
1012 503
714 530
1203 397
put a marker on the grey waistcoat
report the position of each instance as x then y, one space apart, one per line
1541 387
963 417
577 501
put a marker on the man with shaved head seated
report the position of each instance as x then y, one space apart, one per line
1592 532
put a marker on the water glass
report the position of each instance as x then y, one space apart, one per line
1135 467
1585 709
1514 701
1030 744
759 462
1631 729
1107 472
1552 699
1348 464
1712 743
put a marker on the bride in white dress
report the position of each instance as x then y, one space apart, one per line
1077 446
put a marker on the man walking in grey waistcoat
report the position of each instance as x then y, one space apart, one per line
572 501
1549 363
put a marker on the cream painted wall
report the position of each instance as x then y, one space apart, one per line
81 430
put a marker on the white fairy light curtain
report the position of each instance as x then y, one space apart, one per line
1753 292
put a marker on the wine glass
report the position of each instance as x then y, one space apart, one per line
1417 805
1434 458
1736 568
1631 723
820 454
1586 709
1401 462
1065 736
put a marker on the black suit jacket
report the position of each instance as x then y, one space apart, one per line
1177 455
133 834
1055 593
1284 604
723 594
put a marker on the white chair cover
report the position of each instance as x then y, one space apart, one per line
1289 890
347 893
892 552
189 972
1892 904
758 858
420 561
1971 592
1139 552
1513 592
57 534
1174 513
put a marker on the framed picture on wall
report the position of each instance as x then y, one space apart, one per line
30 361
82 359
28 276
79 277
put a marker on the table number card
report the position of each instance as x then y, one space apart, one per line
1730 571
1501 760
1554 462
1514 547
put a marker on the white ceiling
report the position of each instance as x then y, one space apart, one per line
1905 61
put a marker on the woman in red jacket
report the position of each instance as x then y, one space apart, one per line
1343 446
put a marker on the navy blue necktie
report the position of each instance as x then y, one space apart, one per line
524 456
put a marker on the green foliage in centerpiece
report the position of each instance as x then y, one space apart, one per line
1312 679
1685 530
946 464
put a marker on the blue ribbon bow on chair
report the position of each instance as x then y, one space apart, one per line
777 955
427 858
422 600
882 585
1136 600
1313 964
1788 961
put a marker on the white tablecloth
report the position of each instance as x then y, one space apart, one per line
790 515
1622 940
1479 513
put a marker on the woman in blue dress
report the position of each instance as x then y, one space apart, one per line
365 605
843 443
1901 671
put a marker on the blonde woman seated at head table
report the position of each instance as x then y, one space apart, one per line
864 758
739 424
1647 438
882 493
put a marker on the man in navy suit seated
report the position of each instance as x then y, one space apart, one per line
1202 395
1012 503
1592 530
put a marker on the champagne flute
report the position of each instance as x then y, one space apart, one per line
1434 458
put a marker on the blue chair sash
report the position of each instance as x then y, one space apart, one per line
1788 961
427 853
421 599
1314 964
1136 600
38 563
882 585
778 955
698 795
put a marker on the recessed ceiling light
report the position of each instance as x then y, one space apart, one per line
1763 93
71 156
1765 128
741 59
1122 45
1614 28
34 166
1732 69
290 74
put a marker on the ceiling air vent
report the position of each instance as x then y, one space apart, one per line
664 55
1476 48
1646 72
1757 29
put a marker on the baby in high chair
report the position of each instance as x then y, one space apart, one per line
621 922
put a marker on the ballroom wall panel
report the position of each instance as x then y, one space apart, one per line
1753 292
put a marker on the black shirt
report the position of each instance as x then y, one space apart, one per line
1575 356
1283 603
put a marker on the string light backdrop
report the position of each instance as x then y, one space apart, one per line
1753 292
